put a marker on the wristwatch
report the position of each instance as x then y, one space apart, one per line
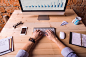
32 40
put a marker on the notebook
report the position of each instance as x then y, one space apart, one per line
77 39
6 45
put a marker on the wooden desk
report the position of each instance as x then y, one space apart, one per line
45 47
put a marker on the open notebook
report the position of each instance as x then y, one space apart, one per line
6 45
77 39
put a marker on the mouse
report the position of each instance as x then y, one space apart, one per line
62 35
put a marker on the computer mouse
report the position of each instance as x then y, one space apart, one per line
62 35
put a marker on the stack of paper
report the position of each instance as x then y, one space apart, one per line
6 45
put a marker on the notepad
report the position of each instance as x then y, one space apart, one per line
6 45
77 39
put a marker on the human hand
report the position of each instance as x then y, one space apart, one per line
37 35
50 35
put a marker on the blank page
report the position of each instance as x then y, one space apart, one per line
84 40
76 38
4 45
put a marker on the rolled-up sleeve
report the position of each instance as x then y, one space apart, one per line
67 52
22 53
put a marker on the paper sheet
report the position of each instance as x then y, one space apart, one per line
4 45
76 38
84 40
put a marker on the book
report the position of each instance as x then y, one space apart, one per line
77 39
6 45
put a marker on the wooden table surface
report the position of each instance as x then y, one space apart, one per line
45 47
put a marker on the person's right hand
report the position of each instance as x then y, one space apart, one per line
50 35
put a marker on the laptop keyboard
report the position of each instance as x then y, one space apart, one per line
43 29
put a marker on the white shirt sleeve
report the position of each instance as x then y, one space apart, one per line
22 53
66 51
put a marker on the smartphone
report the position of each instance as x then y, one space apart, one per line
24 31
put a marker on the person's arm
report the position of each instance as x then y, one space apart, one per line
65 51
24 51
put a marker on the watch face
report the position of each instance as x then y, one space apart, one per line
30 39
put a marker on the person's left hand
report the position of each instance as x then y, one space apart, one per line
37 35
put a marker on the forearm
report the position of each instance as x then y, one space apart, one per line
28 46
65 51
59 44
24 51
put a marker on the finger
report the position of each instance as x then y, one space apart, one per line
32 32
46 34
50 31
41 32
47 31
40 35
36 30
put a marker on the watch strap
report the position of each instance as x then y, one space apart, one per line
32 40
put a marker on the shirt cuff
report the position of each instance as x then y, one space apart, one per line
22 53
66 51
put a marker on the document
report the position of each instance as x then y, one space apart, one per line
4 45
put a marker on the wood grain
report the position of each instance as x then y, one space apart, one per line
45 47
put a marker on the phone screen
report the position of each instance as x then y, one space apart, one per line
23 31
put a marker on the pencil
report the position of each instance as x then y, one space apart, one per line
10 43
